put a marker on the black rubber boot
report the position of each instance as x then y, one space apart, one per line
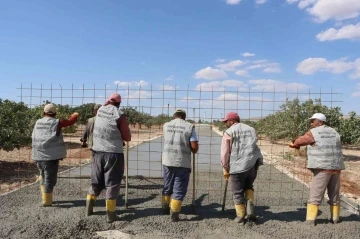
174 216
111 216
90 207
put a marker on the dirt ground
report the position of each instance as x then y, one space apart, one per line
17 169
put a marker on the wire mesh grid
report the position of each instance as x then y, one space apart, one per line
277 182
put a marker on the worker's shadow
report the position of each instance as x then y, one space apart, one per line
101 202
265 214
188 211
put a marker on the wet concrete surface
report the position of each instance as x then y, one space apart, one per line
279 207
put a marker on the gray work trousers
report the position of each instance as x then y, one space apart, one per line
107 170
321 181
48 172
240 182
176 181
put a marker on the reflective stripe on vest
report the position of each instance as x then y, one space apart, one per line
326 153
106 135
244 150
46 145
177 152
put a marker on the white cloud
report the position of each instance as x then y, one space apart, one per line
260 1
209 73
248 54
311 65
274 69
170 78
269 67
356 94
139 94
356 73
230 66
220 60
292 1
270 85
220 85
346 32
259 61
130 83
211 86
233 83
168 87
323 10
233 2
241 73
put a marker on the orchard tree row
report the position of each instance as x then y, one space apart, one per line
17 120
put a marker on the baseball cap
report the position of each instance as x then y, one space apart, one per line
318 116
231 116
97 106
115 98
179 111
49 109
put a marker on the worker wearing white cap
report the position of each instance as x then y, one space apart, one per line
325 161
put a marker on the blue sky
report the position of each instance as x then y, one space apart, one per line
214 45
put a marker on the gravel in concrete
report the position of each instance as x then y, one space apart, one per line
279 199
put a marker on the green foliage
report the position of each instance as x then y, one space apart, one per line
14 125
350 129
85 111
292 120
131 114
17 121
221 125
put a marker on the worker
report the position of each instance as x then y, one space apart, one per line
240 159
110 131
48 148
87 137
180 140
324 159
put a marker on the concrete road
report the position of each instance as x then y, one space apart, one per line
279 207
145 159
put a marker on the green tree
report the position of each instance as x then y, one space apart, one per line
132 114
14 125
85 111
350 129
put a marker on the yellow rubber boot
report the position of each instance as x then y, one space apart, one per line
240 213
42 188
335 213
90 203
165 202
111 210
311 213
249 195
250 204
47 199
175 208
